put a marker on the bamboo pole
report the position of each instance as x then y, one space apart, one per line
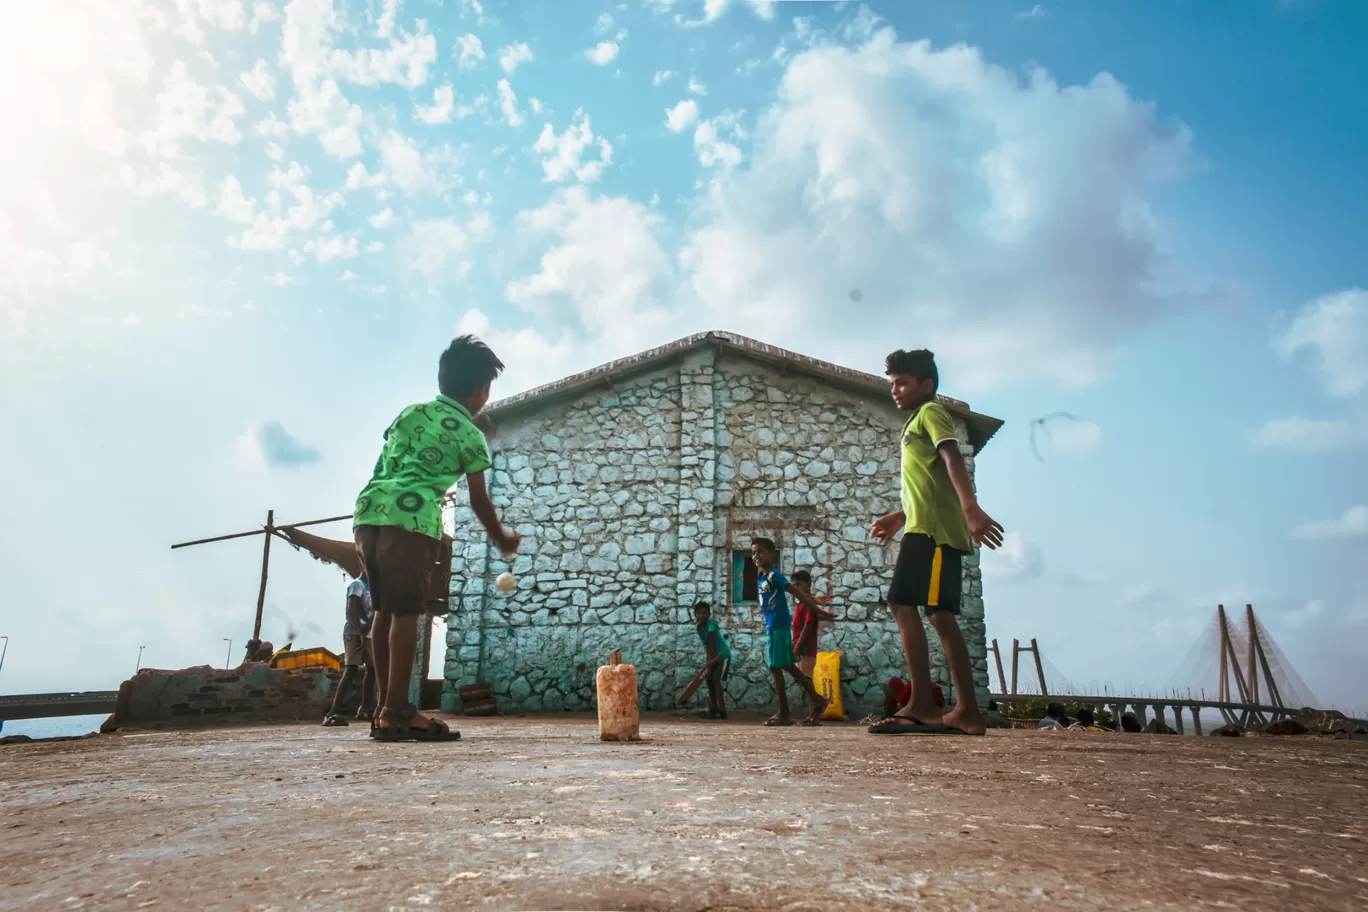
265 569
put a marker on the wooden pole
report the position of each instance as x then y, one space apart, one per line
997 660
265 568
1016 651
1040 669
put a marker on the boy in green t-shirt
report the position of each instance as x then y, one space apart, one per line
398 523
719 658
941 521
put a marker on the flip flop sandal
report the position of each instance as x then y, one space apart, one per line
333 720
435 730
398 728
811 723
904 725
778 723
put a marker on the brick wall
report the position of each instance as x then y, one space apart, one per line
206 696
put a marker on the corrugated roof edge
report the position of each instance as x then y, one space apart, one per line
981 427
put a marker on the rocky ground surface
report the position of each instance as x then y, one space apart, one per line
538 814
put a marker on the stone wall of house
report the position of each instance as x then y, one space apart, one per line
632 502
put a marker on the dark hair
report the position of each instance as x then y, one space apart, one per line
465 366
801 576
1056 711
766 543
1085 716
702 606
919 363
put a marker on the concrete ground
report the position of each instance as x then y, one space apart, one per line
538 814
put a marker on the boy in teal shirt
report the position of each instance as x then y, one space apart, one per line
428 449
719 658
941 521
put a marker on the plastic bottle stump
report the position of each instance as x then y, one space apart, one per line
619 717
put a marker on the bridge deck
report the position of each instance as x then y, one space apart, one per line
43 706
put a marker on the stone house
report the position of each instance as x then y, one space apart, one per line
637 487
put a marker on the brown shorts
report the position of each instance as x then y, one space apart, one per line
398 566
356 650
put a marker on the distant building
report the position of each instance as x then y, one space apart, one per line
637 487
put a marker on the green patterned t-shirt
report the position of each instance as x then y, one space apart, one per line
428 449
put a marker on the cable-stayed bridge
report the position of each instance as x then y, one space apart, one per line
1233 668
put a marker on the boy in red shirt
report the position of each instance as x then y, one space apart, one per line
805 620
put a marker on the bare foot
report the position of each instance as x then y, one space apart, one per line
969 721
814 717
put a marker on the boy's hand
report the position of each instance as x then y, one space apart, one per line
508 542
823 600
986 531
886 527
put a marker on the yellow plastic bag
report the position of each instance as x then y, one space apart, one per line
826 677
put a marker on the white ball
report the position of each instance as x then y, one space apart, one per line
506 582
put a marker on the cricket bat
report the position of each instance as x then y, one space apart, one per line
693 685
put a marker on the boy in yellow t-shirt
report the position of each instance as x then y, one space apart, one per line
941 521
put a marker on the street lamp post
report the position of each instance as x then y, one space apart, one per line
139 665
228 659
4 650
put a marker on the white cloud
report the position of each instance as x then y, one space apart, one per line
331 247
263 13
960 198
469 51
170 182
696 87
563 155
1333 329
604 269
508 104
1017 559
347 276
389 14
603 53
1307 435
359 178
442 107
661 77
1353 524
681 116
382 219
274 151
441 248
289 208
375 247
323 110
259 81
272 126
1035 12
535 104
987 216
604 25
187 109
511 56
281 278
712 149
404 164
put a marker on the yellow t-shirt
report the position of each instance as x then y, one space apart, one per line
928 497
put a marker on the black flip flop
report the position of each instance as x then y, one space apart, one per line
904 725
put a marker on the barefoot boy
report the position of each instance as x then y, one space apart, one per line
940 520
773 587
719 658
398 523
805 622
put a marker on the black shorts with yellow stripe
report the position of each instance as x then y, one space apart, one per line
927 575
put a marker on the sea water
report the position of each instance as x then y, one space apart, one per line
61 726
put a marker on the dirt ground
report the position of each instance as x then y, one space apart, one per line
538 814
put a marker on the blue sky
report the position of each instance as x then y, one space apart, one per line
235 234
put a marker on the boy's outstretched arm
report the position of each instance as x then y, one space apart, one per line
504 539
985 530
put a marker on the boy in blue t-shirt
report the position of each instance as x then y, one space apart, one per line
779 654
